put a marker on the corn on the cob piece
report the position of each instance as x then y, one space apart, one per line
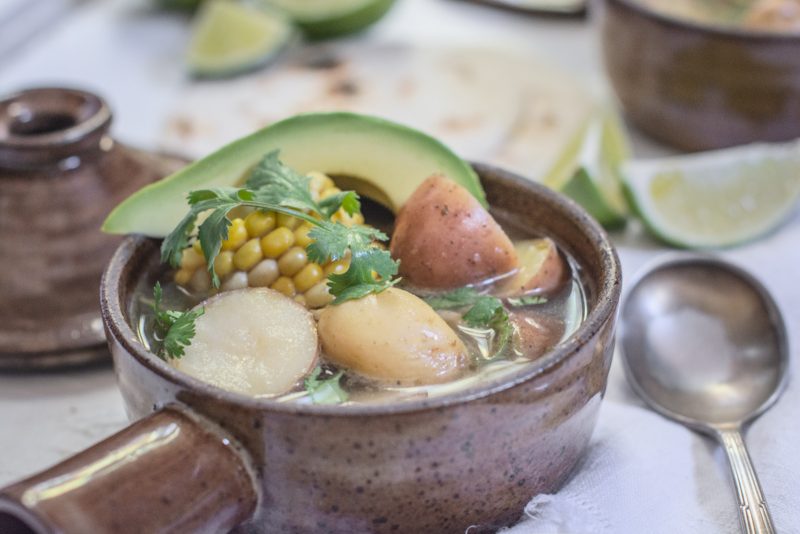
265 249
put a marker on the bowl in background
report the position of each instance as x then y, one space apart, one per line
696 86
203 459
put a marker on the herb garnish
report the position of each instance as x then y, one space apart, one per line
274 186
175 329
485 311
327 390
529 300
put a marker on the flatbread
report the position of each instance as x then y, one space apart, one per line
487 105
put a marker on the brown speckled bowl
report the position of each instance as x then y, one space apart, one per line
203 459
699 87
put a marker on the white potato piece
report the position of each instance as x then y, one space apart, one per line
541 269
254 341
392 336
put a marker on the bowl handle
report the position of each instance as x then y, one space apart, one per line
168 472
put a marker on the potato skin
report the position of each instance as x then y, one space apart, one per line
394 337
541 270
444 238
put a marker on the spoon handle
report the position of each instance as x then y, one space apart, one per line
754 516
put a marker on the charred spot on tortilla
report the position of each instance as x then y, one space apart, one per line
344 88
322 61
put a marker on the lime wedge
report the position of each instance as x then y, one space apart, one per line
230 38
330 18
715 199
588 172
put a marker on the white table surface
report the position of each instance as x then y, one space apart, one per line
133 58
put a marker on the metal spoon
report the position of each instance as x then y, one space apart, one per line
704 344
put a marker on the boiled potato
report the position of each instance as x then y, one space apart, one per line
541 269
444 238
254 341
392 336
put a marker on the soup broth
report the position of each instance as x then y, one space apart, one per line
764 15
537 328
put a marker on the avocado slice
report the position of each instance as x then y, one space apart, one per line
392 159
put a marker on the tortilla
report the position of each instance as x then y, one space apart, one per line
488 105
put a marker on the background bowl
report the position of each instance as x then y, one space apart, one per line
700 87
475 457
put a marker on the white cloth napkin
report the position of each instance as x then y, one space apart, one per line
646 474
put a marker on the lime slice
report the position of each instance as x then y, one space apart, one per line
715 199
329 18
230 37
588 172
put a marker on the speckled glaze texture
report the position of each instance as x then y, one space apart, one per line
57 161
696 87
442 465
139 480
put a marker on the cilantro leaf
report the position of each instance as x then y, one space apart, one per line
457 298
485 311
327 390
345 199
274 182
371 268
275 187
175 329
529 300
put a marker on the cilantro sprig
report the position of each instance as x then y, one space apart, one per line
273 186
325 390
175 329
484 311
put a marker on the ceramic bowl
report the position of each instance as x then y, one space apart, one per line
203 459
60 174
697 87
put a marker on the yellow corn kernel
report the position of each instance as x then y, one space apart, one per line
263 274
288 221
307 277
200 282
329 192
248 255
191 260
347 219
197 248
223 263
237 235
292 261
259 223
284 285
318 296
301 235
182 276
337 267
277 242
300 299
319 182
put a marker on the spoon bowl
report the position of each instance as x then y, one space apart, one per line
703 343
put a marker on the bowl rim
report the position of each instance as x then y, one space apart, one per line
721 30
608 294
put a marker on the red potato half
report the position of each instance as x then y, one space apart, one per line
444 238
541 269
394 337
254 341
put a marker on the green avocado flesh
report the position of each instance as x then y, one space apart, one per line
391 158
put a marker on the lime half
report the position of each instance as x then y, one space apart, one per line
716 199
589 170
230 38
330 18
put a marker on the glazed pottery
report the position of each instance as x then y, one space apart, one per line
60 175
699 87
201 459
